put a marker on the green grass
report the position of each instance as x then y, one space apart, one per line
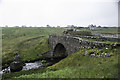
109 30
101 40
83 33
78 66
32 41
10 76
28 42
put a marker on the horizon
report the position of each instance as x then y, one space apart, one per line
56 26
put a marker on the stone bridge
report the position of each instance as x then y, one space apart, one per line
65 45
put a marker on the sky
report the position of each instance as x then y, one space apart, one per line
119 14
58 12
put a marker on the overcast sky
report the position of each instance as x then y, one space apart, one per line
58 12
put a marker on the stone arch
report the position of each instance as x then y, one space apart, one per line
59 51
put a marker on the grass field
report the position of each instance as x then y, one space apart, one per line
109 30
33 41
26 42
75 66
101 40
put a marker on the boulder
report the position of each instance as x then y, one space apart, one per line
16 66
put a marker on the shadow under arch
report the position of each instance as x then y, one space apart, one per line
59 51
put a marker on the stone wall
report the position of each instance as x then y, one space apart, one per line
73 44
104 38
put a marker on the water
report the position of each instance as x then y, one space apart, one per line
6 70
34 65
27 66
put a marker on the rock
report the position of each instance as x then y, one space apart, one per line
85 53
97 55
103 56
106 48
16 66
108 55
17 57
100 54
39 55
93 55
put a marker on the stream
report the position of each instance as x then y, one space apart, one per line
34 65
28 66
